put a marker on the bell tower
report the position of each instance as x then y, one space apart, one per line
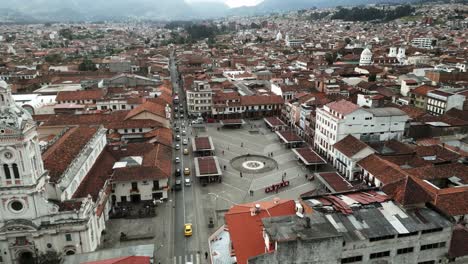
22 174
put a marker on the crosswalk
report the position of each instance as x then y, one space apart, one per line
190 258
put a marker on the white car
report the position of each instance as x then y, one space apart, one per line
177 159
177 146
188 182
185 141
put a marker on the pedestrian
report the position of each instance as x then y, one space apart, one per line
223 152
242 144
206 255
251 192
240 174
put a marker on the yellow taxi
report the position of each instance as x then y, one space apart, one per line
186 171
185 151
188 230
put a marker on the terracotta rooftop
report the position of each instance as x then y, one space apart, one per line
335 182
80 95
60 155
343 107
383 170
246 231
350 145
94 181
423 90
261 100
153 108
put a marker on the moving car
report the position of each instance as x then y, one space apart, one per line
177 159
177 137
185 151
186 171
177 129
188 229
188 182
177 146
184 132
177 172
185 141
178 185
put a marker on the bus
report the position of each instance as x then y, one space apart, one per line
176 99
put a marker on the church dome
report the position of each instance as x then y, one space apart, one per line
366 52
3 84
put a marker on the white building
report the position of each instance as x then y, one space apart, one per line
31 222
424 43
441 100
348 152
366 57
199 98
336 120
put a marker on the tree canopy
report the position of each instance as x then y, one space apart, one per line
371 13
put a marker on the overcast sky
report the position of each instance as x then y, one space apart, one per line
231 3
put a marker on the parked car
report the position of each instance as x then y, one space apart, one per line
177 137
185 151
177 159
186 171
177 146
177 172
184 133
177 129
185 141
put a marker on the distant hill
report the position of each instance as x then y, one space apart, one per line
269 6
93 10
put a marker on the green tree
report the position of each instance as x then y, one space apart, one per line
53 58
66 33
87 65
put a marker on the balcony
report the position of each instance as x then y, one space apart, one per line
134 190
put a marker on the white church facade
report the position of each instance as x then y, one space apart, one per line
33 219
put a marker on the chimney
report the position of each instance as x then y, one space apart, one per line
257 208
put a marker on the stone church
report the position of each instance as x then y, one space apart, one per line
34 216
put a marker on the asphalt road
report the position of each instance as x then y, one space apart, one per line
184 249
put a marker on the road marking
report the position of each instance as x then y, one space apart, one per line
233 187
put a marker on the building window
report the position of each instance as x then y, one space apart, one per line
6 169
351 259
16 171
433 230
134 185
379 254
405 250
408 234
68 237
381 238
432 246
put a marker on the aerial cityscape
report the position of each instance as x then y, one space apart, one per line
225 131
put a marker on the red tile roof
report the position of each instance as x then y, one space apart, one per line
153 108
80 95
423 90
207 165
289 136
350 146
383 170
336 182
246 231
161 135
94 181
310 156
343 107
274 121
60 155
202 143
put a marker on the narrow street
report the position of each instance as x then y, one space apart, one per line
184 249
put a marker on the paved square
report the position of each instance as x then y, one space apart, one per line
253 158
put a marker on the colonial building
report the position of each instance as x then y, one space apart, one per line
338 119
199 98
31 220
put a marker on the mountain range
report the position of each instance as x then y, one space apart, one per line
94 10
